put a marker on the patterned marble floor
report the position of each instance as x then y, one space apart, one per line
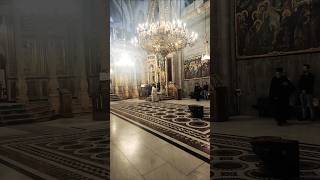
172 122
232 157
72 149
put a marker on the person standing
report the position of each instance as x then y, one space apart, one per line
154 94
306 86
205 90
149 89
197 91
280 91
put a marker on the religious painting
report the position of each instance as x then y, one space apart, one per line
195 68
276 27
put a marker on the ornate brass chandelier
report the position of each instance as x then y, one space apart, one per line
163 36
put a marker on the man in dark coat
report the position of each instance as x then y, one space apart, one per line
280 90
306 86
197 91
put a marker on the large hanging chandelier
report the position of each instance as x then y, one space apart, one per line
165 35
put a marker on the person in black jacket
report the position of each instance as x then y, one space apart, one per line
280 90
306 86
197 91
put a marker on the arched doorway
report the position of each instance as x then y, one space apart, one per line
3 81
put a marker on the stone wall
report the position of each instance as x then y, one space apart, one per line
254 75
57 44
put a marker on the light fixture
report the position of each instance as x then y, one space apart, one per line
164 36
125 61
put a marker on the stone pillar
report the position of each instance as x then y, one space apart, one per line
223 61
83 94
53 84
83 91
116 85
22 87
166 75
22 96
180 68
135 84
22 83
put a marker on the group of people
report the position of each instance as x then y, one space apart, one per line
201 91
152 90
281 90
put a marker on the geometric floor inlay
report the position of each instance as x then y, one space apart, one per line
172 122
233 158
75 154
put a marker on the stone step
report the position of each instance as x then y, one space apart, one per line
114 97
25 120
10 111
21 113
6 106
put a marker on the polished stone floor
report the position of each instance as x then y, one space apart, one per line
10 174
74 148
137 154
303 131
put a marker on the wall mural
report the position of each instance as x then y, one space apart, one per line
194 68
276 27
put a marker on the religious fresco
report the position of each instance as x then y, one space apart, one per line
275 27
194 68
